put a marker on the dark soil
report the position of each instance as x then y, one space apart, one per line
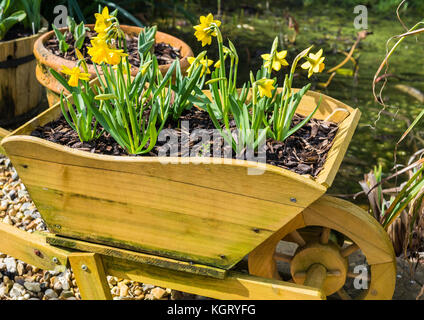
16 32
304 152
164 52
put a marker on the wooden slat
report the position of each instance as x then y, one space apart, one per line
137 257
338 150
235 286
90 276
31 248
19 88
168 234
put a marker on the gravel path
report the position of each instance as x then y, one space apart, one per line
21 281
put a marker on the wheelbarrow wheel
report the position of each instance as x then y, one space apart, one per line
336 246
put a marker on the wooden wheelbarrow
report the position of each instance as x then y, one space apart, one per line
187 224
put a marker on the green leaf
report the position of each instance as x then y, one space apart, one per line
59 35
64 112
413 124
9 22
71 24
304 121
61 79
63 46
105 96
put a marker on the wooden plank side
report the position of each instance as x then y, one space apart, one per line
204 236
227 175
32 248
338 150
81 201
235 286
137 257
121 190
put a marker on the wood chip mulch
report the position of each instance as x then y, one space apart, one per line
304 152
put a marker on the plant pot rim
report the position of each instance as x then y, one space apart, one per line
47 58
44 28
347 126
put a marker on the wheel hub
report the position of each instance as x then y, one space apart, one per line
328 255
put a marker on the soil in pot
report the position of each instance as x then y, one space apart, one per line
16 32
304 152
164 52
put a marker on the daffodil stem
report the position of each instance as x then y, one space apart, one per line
223 84
230 76
255 93
235 76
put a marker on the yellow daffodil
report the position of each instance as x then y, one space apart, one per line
217 64
102 22
265 87
75 75
278 61
205 62
205 30
315 63
99 51
115 56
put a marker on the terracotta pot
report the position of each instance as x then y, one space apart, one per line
19 90
46 60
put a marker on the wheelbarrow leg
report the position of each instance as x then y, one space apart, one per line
90 276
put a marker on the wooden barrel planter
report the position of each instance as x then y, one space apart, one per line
185 225
47 60
20 91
